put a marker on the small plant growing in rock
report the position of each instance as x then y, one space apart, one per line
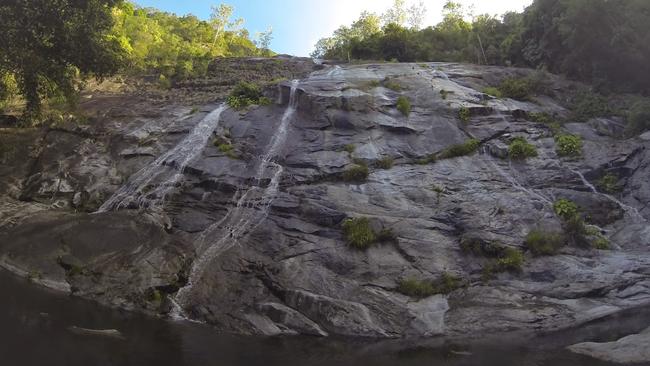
420 289
246 94
609 183
466 148
601 243
404 106
511 260
226 148
385 163
439 192
544 243
464 114
492 91
392 85
194 110
356 173
416 288
349 148
541 117
358 233
520 149
445 93
565 209
568 145
429 159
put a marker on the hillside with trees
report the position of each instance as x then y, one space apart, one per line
598 41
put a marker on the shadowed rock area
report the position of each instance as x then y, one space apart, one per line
251 238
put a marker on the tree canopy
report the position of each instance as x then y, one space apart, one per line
606 42
47 44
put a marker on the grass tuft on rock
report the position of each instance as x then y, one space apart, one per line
464 114
420 289
404 105
568 145
356 173
466 148
385 163
358 233
246 94
520 149
541 243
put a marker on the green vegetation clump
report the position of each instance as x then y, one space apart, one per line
516 88
520 149
587 105
544 243
464 114
385 163
541 117
358 233
404 106
468 147
638 120
492 91
420 289
349 148
601 243
356 173
568 145
510 261
609 183
246 94
565 209
392 85
429 159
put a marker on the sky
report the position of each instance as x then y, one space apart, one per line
299 24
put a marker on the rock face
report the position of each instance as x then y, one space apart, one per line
250 239
631 349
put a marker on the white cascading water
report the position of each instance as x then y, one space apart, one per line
166 170
514 182
632 212
250 211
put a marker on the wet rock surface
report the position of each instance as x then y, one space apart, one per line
251 240
632 349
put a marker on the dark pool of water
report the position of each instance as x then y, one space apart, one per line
34 331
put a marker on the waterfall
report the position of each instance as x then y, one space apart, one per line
167 169
251 209
632 212
515 183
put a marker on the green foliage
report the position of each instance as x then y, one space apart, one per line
385 163
464 114
568 145
420 289
544 243
404 105
609 183
246 94
349 148
468 147
392 85
416 288
541 117
510 261
429 159
565 209
517 88
601 243
587 105
599 41
520 149
358 233
356 173
49 47
638 120
494 92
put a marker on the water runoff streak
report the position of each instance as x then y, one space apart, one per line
166 170
250 211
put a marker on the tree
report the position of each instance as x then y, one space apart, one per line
416 14
50 44
396 14
264 40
